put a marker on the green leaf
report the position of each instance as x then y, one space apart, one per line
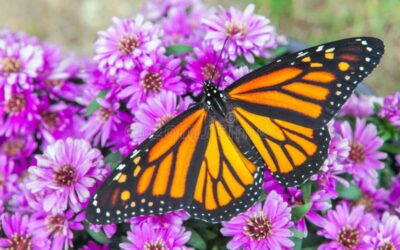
196 241
179 49
352 192
297 234
391 148
386 175
297 243
193 223
207 234
99 236
263 196
299 211
94 105
241 61
113 158
306 191
280 51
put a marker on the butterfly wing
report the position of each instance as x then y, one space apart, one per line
230 176
158 176
192 163
284 106
308 87
291 152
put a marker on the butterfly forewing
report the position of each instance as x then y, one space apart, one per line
308 87
157 176
284 106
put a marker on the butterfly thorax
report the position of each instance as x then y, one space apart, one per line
214 99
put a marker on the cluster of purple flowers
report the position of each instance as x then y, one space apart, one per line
65 121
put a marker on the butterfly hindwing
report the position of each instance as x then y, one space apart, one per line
308 87
230 176
158 176
291 152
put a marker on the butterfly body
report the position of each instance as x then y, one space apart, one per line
214 100
210 159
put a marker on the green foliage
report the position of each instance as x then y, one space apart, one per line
179 49
94 105
196 241
99 236
113 158
299 211
352 192
306 191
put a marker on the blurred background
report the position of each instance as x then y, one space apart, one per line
73 24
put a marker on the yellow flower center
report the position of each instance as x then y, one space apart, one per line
11 65
128 44
258 227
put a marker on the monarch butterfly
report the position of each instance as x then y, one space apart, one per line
209 160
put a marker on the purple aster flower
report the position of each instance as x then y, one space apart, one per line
394 197
20 64
386 235
270 183
17 233
234 75
335 163
249 34
146 236
2 206
320 201
155 113
18 112
372 198
91 245
174 218
391 109
9 36
261 227
57 122
95 80
358 106
58 227
125 44
121 140
8 179
108 229
364 157
346 228
148 80
23 200
205 66
19 148
58 70
103 122
65 173
397 158
189 31
155 9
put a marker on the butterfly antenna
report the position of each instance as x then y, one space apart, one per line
174 71
218 59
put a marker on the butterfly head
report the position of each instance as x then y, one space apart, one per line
213 98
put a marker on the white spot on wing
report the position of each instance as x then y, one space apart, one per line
121 166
